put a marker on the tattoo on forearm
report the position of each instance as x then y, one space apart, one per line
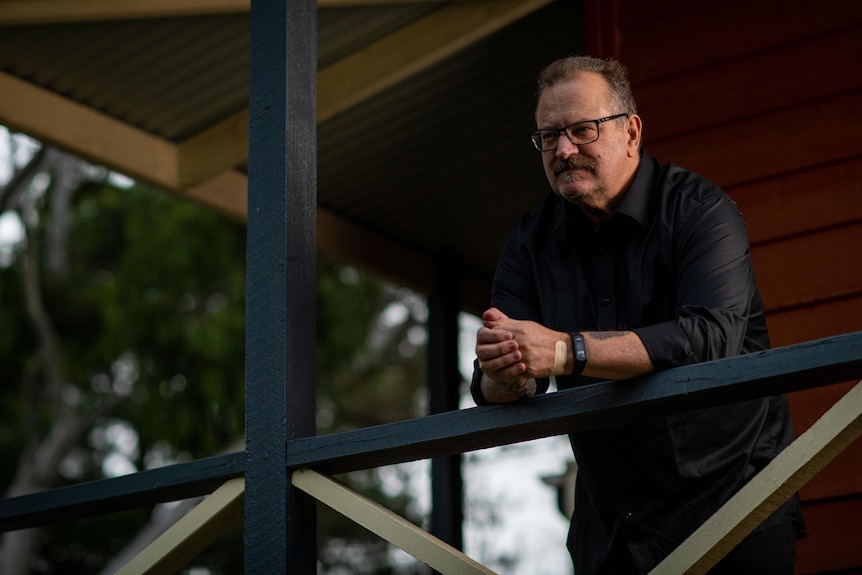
607 334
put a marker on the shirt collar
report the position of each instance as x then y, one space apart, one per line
636 203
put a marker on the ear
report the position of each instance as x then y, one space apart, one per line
633 128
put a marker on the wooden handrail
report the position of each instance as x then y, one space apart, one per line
781 370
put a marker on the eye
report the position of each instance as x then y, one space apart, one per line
582 133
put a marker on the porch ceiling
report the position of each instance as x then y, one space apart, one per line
423 109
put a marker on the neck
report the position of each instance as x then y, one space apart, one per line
598 214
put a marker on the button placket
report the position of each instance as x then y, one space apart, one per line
605 282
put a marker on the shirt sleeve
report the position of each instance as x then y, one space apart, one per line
715 288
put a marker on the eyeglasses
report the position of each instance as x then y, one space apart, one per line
579 134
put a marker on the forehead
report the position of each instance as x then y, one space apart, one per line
584 97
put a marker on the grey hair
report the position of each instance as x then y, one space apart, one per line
614 73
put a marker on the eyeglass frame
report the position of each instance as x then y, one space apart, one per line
565 130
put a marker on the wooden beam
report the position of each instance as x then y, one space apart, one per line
83 131
803 366
281 272
774 485
438 555
217 149
184 170
141 489
224 146
196 531
226 193
412 49
18 12
361 76
199 163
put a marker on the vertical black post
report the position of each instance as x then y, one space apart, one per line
444 304
280 522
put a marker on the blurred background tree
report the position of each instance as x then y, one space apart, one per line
122 345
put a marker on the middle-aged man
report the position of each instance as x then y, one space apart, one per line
628 267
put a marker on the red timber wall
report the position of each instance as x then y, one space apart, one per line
765 99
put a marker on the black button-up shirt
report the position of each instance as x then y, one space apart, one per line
672 263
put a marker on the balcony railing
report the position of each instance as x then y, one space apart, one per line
782 370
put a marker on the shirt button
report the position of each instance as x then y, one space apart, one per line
628 515
606 301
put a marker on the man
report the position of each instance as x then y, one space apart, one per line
628 267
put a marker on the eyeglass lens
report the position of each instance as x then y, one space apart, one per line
579 134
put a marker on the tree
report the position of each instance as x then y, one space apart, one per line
122 338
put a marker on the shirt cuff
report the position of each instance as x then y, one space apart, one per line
476 385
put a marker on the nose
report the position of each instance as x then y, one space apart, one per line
565 147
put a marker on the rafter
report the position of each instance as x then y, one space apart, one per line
222 147
203 168
412 49
213 151
18 12
81 130
361 76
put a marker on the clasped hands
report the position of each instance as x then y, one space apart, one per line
512 353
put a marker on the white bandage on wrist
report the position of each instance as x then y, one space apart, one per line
561 354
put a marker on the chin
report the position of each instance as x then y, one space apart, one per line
574 195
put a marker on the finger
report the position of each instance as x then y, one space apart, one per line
487 335
492 316
503 367
501 341
486 352
511 374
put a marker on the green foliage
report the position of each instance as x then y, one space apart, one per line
151 307
159 284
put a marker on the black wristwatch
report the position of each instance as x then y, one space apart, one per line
580 347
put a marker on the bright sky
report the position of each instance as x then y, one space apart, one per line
11 229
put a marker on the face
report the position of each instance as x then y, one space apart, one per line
591 175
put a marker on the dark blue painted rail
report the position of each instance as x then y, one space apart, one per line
793 368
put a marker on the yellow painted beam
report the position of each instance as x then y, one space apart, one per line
85 132
440 556
224 146
196 531
17 12
775 484
217 149
226 193
412 49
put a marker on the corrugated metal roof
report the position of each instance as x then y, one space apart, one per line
170 77
440 162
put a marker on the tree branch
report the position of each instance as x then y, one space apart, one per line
13 189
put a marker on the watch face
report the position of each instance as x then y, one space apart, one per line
580 349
